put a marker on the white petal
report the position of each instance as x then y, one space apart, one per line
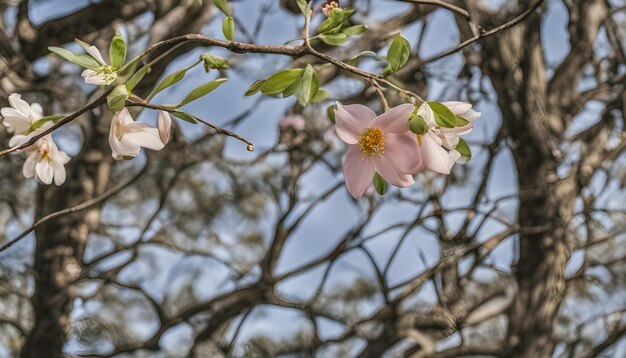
59 172
146 137
95 53
16 101
164 124
17 140
28 170
434 156
44 171
36 110
429 116
14 120
119 149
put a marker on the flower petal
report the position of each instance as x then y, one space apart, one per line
434 156
36 110
400 159
28 170
14 120
429 116
357 171
351 120
59 172
164 124
462 109
395 120
44 171
146 137
16 101
95 53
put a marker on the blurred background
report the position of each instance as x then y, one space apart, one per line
205 249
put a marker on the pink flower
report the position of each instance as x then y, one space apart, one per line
296 122
376 144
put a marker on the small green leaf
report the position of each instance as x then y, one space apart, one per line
302 4
330 112
445 118
228 28
334 39
255 87
399 52
464 149
279 81
117 51
117 99
348 12
184 116
310 86
223 6
380 184
137 77
354 30
333 23
293 88
41 121
201 91
320 96
170 80
79 59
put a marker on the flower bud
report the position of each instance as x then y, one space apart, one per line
328 7
213 62
417 124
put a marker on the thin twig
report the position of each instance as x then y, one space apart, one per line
442 4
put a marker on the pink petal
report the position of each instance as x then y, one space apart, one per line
395 120
401 156
351 120
434 156
357 171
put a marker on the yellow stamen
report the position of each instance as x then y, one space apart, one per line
419 139
372 143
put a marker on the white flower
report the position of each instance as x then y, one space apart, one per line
127 136
101 77
164 124
450 136
20 116
46 161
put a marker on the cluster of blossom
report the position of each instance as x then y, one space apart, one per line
386 144
47 162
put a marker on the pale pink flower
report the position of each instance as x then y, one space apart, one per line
45 161
437 146
126 136
296 122
376 144
20 116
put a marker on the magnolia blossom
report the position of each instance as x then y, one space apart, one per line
376 144
126 136
20 116
102 76
437 145
45 161
296 122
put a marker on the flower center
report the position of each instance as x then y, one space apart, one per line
371 142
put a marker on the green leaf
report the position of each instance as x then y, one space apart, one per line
201 91
334 39
399 52
332 23
464 149
293 88
302 4
445 118
320 96
117 51
348 12
330 112
184 116
170 80
279 81
380 184
228 28
117 99
79 59
310 86
41 121
255 87
137 77
354 30
223 6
